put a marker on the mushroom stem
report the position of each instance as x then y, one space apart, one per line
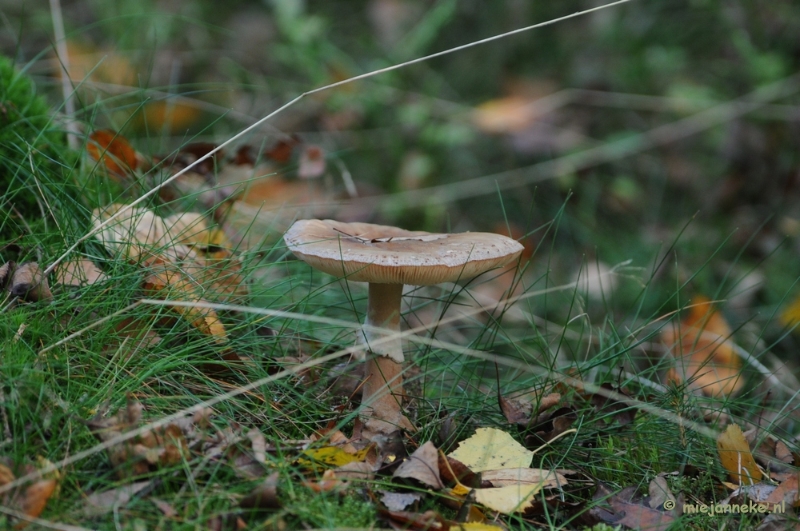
383 389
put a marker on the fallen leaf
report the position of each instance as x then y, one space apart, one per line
549 425
332 456
492 449
99 503
161 447
508 114
77 273
264 496
622 412
88 65
515 411
6 475
33 499
454 471
281 152
356 471
398 501
423 466
524 476
28 283
477 526
659 493
135 235
790 315
735 455
509 499
113 150
704 352
168 284
628 511
173 115
259 443
786 492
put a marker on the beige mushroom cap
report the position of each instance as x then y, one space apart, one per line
387 255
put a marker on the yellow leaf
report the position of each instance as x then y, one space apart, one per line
509 499
477 526
734 453
492 449
791 314
704 352
169 114
524 476
332 456
460 490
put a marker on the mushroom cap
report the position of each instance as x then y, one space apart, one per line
364 252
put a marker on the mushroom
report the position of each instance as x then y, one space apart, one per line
388 258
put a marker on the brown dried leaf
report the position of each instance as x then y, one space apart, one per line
6 475
659 492
113 150
703 351
281 152
785 492
264 496
623 413
28 283
163 446
174 116
134 235
515 411
629 511
78 273
398 501
99 503
169 284
34 499
423 466
454 471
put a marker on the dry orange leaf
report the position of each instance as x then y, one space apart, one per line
113 150
175 116
735 455
505 115
170 284
703 351
34 500
87 65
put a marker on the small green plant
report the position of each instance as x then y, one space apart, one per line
327 510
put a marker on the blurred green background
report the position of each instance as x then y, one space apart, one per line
662 132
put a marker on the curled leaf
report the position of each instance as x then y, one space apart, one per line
113 150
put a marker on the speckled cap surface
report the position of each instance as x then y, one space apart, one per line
387 255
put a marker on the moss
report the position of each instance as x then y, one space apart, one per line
25 128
